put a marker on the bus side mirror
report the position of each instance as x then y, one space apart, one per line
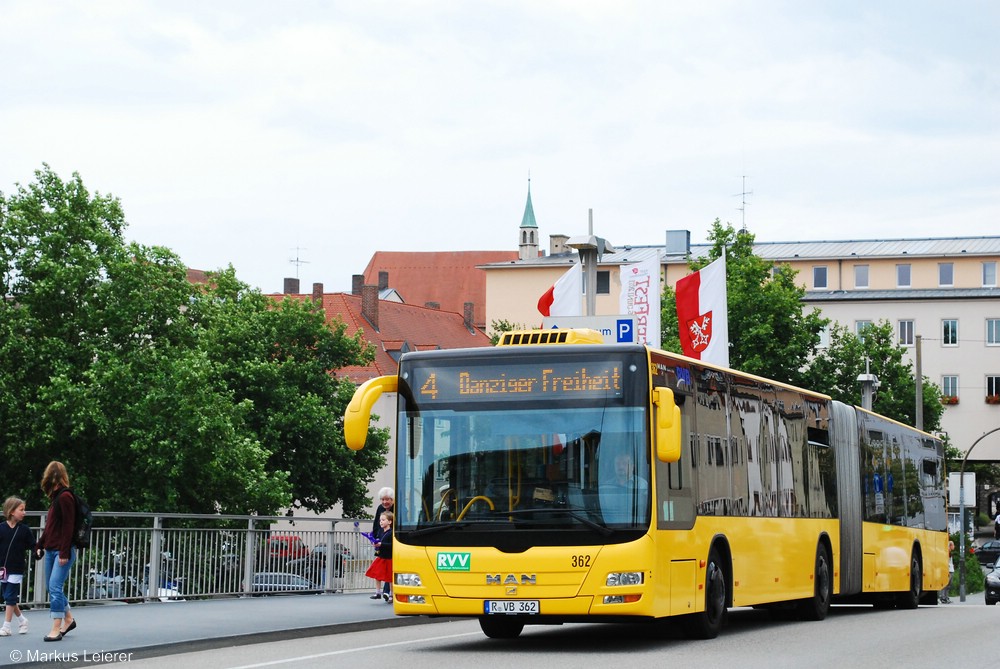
359 411
668 425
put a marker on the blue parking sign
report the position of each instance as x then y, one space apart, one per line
626 332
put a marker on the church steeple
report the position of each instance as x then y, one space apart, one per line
528 233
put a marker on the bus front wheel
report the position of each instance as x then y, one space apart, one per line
500 627
708 623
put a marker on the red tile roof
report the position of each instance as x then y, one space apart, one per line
402 327
449 278
196 276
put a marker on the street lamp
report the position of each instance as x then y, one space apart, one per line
961 517
590 248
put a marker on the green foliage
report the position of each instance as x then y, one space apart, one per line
160 395
498 327
670 338
975 579
277 358
835 371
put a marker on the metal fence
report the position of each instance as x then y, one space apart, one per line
144 556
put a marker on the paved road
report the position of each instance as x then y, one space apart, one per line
115 633
159 628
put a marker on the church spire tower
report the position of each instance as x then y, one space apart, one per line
528 233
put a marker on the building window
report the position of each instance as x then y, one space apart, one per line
993 331
949 386
946 274
861 276
860 327
989 274
949 332
902 276
993 385
603 282
824 338
819 276
906 333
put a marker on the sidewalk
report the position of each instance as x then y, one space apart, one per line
161 628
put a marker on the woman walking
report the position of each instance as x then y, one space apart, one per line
56 547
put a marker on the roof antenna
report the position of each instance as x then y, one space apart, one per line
743 204
298 262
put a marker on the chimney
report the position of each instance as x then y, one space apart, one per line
432 305
383 281
557 244
317 297
357 281
678 243
470 310
369 305
291 286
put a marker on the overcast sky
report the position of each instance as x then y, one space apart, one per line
238 132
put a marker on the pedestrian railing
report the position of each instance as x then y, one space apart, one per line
144 556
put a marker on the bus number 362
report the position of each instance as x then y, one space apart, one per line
580 561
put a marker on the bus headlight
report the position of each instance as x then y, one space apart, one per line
409 579
624 578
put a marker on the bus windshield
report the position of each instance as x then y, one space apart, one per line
488 463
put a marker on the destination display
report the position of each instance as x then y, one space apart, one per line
591 379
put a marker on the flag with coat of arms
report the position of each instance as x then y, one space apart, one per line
702 314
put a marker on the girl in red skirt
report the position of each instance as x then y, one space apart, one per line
381 567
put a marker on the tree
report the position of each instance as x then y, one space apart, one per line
835 371
770 333
277 357
158 394
498 328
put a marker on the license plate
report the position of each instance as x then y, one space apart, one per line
510 606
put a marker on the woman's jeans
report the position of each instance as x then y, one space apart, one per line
55 576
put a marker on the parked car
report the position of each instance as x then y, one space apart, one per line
337 548
993 586
987 553
273 582
286 547
313 566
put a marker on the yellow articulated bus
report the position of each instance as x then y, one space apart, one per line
554 479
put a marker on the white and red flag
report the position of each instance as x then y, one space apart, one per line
563 298
702 317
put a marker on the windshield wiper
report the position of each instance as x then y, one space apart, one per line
572 512
434 529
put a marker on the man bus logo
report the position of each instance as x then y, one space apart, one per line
510 579
454 561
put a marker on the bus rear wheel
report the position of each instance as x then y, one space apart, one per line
708 623
500 627
817 606
911 598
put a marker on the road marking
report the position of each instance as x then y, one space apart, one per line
351 650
